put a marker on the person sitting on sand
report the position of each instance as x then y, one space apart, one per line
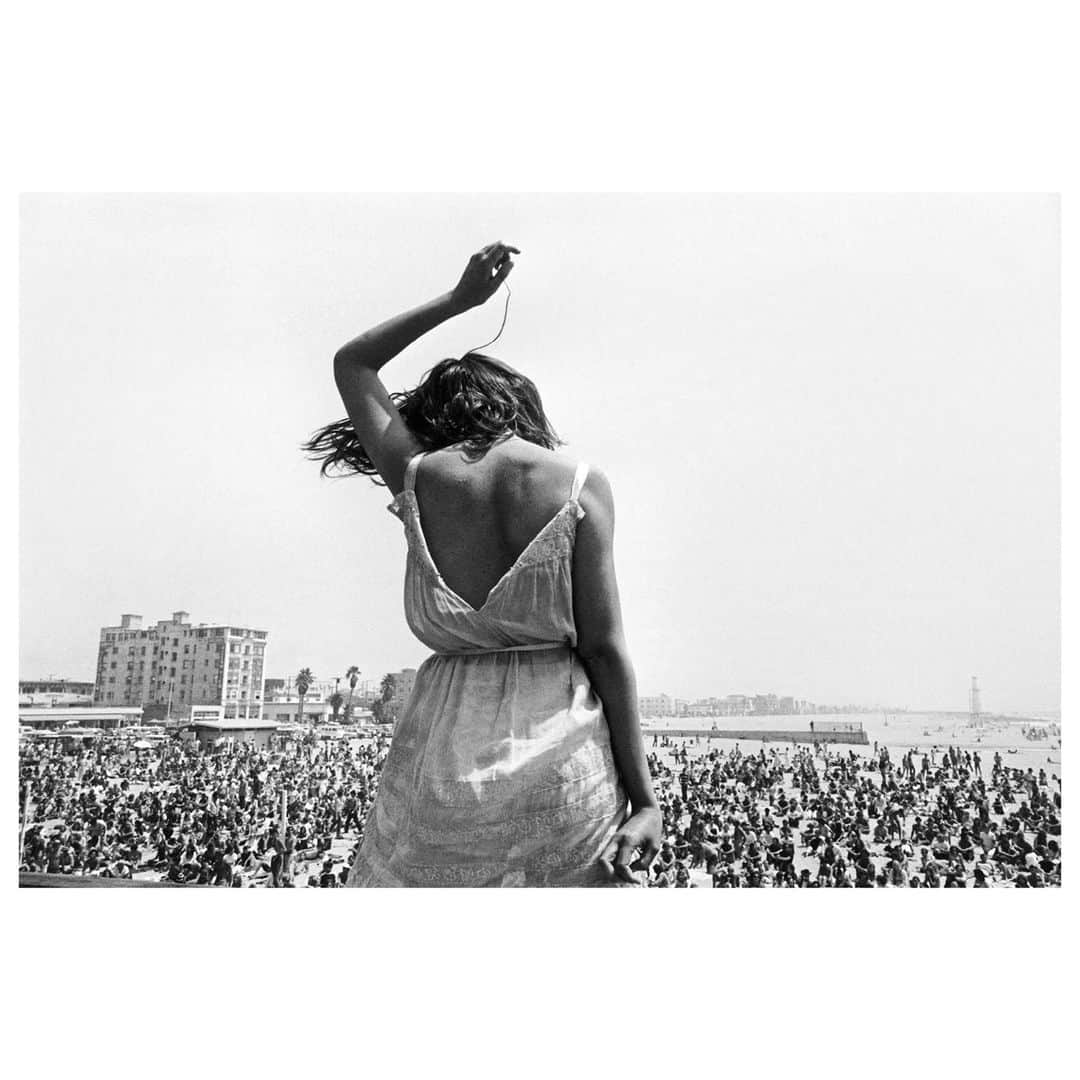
665 859
932 874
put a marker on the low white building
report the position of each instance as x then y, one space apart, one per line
287 711
250 730
104 718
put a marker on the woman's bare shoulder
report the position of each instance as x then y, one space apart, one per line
596 496
537 467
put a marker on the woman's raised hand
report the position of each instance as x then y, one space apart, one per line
486 271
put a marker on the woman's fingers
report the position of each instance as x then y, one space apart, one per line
649 853
607 856
502 272
497 252
625 856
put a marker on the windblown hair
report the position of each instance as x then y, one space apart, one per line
472 402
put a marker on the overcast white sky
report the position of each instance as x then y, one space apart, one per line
831 425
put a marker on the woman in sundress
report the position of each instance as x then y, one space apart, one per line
518 758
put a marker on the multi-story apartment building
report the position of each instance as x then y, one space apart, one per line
404 681
658 705
173 665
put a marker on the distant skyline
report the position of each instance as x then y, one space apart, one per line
831 424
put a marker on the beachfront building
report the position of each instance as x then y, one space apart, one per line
47 719
404 681
209 732
173 665
659 705
287 711
284 689
273 689
55 686
703 707
56 693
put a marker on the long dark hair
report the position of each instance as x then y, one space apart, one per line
472 402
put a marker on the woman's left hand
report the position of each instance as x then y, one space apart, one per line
634 846
485 272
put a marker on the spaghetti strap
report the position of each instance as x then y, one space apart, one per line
396 505
410 470
579 483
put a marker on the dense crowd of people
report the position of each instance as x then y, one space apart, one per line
207 816
790 816
815 817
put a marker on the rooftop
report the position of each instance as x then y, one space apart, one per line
238 724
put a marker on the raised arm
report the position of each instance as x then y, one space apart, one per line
602 648
377 423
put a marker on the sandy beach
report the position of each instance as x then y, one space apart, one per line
924 733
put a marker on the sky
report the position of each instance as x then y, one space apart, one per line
831 424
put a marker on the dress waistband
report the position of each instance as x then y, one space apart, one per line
507 648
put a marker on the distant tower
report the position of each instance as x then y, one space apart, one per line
973 703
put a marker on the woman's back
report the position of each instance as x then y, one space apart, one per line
501 769
479 516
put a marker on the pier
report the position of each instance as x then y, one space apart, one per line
852 734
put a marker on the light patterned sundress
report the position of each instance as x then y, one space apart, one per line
500 770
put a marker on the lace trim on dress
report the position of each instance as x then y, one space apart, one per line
554 541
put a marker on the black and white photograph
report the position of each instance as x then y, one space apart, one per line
471 459
824 652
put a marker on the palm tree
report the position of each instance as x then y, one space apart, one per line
353 674
387 690
304 679
335 703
